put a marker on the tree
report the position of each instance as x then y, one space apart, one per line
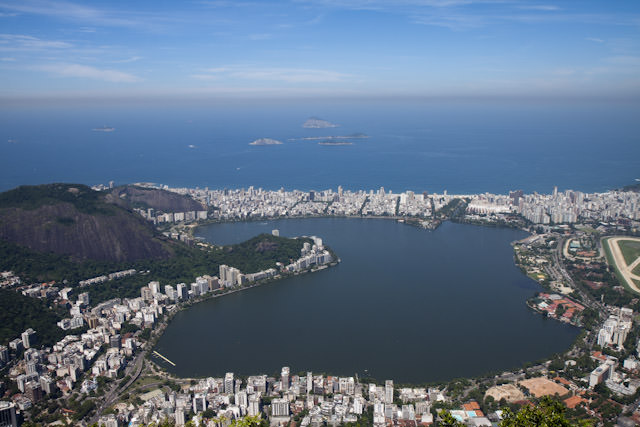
549 413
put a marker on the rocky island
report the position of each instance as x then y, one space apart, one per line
265 141
316 123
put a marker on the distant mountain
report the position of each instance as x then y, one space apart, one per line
74 220
131 196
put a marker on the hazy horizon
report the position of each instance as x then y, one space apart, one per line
444 49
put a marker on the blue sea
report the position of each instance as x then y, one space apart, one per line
458 146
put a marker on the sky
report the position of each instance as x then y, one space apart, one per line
438 48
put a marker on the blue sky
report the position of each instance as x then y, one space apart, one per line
458 48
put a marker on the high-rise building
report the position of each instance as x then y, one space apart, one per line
8 414
181 289
285 378
254 405
155 287
199 402
388 392
228 383
309 382
29 338
4 354
280 407
146 293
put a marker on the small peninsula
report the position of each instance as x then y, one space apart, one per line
266 141
317 123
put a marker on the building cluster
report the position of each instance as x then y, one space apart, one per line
107 277
9 279
557 306
559 207
622 382
157 217
312 399
615 329
76 361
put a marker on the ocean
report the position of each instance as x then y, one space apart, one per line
461 147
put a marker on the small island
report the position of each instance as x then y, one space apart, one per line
104 129
335 143
316 123
327 138
265 141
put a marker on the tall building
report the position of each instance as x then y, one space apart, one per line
254 405
228 383
388 392
29 338
4 354
8 414
199 402
146 293
309 382
285 378
181 289
280 407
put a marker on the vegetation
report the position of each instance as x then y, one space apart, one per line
19 312
548 413
34 196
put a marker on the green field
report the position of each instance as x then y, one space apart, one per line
610 261
630 250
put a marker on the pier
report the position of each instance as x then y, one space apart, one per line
163 358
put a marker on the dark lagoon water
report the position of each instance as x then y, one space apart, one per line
405 304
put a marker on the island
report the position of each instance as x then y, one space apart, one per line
266 141
104 129
317 123
318 138
335 143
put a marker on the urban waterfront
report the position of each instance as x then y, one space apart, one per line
405 304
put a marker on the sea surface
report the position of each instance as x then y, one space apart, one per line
405 304
462 147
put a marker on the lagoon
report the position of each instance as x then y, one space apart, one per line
405 304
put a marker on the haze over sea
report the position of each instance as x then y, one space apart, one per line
460 146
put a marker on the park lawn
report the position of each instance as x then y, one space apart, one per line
630 250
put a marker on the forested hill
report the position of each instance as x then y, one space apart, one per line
19 313
74 220
131 196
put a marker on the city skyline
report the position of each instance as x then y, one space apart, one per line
320 48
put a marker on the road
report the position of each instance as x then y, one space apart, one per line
116 391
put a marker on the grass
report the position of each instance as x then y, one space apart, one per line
610 261
630 250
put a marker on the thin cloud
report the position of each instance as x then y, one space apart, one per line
594 39
128 60
541 7
7 59
25 42
87 72
289 75
71 11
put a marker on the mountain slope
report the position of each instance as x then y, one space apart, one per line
72 219
131 196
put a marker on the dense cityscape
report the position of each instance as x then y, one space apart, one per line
115 376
